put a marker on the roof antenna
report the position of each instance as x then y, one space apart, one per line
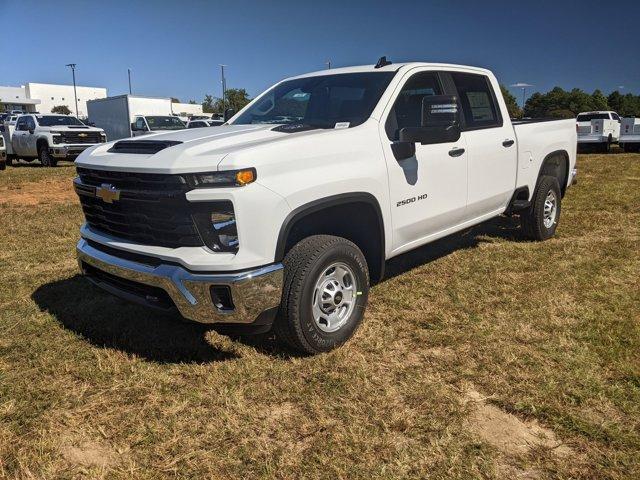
382 62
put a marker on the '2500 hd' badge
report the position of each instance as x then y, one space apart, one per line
408 201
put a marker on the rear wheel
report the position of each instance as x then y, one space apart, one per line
325 291
540 220
45 157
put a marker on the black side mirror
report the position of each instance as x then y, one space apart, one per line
31 131
228 113
134 128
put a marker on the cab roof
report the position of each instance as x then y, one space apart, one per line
393 67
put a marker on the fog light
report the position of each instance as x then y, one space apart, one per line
221 297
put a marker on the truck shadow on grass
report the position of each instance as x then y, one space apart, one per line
107 322
506 228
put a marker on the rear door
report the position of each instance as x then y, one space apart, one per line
429 190
491 143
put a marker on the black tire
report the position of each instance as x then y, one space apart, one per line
3 164
532 220
45 157
304 265
9 160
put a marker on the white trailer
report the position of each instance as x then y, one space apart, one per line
118 115
630 134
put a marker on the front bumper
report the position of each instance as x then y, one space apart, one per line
64 151
252 292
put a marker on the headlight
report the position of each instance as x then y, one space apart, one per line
216 223
1 141
57 137
103 137
228 178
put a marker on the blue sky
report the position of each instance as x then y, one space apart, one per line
174 48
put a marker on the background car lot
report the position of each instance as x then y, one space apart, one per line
480 330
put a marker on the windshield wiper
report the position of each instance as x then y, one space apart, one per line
297 127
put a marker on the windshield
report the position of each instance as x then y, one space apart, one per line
325 101
57 120
587 117
165 123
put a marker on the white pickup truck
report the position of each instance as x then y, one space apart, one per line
630 134
598 129
50 138
284 216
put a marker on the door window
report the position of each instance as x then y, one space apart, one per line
615 117
31 124
407 109
478 101
21 124
140 124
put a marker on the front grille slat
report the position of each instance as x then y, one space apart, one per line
152 208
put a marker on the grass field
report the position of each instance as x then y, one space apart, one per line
480 356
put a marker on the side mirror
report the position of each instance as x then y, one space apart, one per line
134 128
31 131
440 123
228 113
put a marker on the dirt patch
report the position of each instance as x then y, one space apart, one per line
89 454
508 433
36 193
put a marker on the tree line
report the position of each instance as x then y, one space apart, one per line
560 103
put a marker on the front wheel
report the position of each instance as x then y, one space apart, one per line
325 291
45 157
540 220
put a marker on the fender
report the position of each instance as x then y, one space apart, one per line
326 202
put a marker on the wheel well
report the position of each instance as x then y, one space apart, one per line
42 142
357 218
556 164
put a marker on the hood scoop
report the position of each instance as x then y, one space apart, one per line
145 147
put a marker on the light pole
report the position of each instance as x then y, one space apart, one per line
129 74
524 87
75 95
224 90
328 64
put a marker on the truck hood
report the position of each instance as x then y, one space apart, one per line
70 128
201 149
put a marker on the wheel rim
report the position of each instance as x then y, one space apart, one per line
550 209
334 297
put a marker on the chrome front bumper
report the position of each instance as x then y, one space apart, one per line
252 292
68 150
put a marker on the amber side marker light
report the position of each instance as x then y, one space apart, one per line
243 177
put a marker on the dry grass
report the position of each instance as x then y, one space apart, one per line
481 356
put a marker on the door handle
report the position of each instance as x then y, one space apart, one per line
456 152
508 143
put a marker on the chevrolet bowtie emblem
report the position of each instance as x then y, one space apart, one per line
82 134
108 193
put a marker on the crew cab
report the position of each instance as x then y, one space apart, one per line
270 223
598 129
50 138
630 134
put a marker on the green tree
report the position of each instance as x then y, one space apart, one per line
207 104
599 101
192 102
61 109
175 100
512 104
236 99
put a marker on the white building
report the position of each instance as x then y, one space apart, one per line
42 97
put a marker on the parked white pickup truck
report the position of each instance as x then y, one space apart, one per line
598 129
3 153
50 138
630 134
266 221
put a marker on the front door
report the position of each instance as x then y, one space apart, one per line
18 137
428 191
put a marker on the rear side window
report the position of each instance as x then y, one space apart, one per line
615 116
478 101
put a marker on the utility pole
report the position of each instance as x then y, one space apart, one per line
224 89
75 95
328 64
129 74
